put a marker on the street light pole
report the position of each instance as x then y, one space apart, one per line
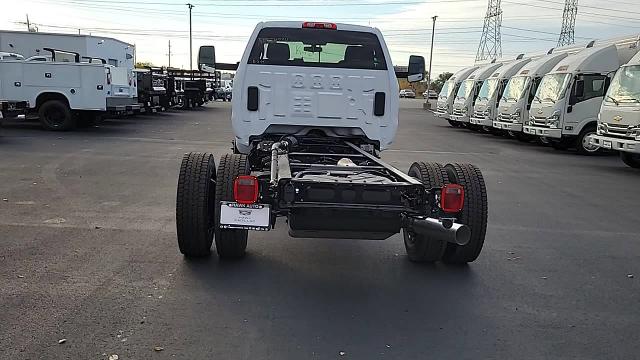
433 32
190 42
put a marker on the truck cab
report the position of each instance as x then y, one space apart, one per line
468 92
444 104
567 101
486 106
514 105
619 117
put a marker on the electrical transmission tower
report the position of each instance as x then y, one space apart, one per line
568 23
491 40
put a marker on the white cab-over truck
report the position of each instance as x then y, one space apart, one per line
61 93
444 104
566 105
313 105
515 103
468 92
485 108
619 118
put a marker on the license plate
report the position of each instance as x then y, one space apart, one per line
247 217
606 144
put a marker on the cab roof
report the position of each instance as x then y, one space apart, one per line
634 60
509 69
483 72
462 74
543 65
298 25
597 60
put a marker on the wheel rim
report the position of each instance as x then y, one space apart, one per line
586 145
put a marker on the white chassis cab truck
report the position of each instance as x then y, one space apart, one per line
514 105
486 105
313 106
444 104
565 108
467 93
63 94
619 118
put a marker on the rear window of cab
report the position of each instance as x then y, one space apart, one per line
317 48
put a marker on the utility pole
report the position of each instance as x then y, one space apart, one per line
169 53
568 23
28 24
433 32
190 42
491 40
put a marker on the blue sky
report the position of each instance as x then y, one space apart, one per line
528 25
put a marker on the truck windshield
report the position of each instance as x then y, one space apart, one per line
515 88
488 88
318 48
625 86
552 87
465 89
445 92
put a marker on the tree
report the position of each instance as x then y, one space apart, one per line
143 64
439 82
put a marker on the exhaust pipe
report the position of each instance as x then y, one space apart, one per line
433 228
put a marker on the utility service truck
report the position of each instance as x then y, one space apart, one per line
467 94
313 106
566 105
515 103
444 104
485 108
63 94
619 117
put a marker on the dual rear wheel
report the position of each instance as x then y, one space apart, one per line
200 191
421 248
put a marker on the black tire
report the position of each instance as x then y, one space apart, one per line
230 243
474 213
56 115
195 204
632 160
582 142
474 127
455 124
420 248
522 137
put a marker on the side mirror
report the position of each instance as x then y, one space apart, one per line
416 69
207 59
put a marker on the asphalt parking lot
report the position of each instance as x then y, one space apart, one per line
89 254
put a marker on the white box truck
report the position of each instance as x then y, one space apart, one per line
63 94
513 108
486 106
619 118
444 104
567 101
467 93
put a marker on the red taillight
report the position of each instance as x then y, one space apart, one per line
452 198
320 25
245 189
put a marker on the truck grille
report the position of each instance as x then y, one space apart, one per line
540 121
481 114
505 117
618 130
457 112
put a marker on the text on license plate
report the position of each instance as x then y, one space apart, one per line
248 217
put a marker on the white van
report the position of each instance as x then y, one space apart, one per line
468 92
486 106
450 87
619 117
567 101
313 105
513 109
